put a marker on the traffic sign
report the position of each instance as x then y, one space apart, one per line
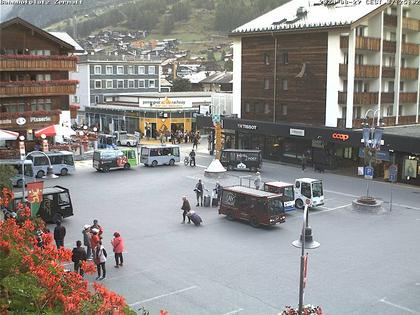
369 172
393 173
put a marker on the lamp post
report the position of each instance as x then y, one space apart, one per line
49 175
305 242
372 137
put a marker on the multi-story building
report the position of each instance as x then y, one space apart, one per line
305 75
34 78
101 75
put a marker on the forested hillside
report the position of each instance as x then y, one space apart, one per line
159 16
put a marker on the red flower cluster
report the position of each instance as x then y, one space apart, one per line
39 83
63 291
40 57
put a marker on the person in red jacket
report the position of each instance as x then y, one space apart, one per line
118 247
94 240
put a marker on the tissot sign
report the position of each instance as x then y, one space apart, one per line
340 136
247 126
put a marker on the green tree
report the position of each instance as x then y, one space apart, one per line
210 56
181 85
228 65
167 24
6 172
181 11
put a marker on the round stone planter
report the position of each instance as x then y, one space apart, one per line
368 205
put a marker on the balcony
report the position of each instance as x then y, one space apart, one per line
359 98
409 73
387 97
408 97
362 42
410 49
390 20
37 63
361 71
411 24
37 88
389 46
388 72
388 121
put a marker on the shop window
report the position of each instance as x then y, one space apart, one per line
97 70
410 168
285 58
266 59
347 154
109 70
266 84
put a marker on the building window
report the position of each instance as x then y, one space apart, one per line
131 84
152 70
109 70
97 70
359 59
360 30
141 84
403 62
247 107
109 84
391 61
391 86
346 59
357 112
267 109
389 110
404 38
39 52
285 58
98 84
43 77
266 84
400 110
120 69
130 70
152 84
401 86
358 86
96 99
141 70
345 85
120 84
37 105
266 59
284 85
284 110
393 36
76 99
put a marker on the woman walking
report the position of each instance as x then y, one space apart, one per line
118 248
100 255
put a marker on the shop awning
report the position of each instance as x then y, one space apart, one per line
55 130
8 135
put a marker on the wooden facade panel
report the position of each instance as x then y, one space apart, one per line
301 74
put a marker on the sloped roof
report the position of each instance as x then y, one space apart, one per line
313 15
18 20
219 78
65 37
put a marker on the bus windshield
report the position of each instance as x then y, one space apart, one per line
289 194
275 206
145 152
317 189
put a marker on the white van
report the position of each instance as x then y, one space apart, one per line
159 155
17 180
62 163
308 191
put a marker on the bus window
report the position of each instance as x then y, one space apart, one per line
153 152
68 159
166 151
63 199
306 190
317 189
145 152
175 151
288 193
130 154
275 206
40 160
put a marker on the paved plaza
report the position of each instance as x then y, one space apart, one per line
367 264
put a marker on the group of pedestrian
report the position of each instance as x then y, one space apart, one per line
180 136
92 240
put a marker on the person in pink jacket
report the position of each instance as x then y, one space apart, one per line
118 247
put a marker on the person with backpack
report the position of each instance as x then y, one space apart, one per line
78 256
100 254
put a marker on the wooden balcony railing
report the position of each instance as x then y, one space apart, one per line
387 121
389 46
359 98
409 73
361 71
387 97
362 42
410 24
408 97
37 88
390 20
410 49
35 63
388 72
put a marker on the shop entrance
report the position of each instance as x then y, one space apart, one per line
177 126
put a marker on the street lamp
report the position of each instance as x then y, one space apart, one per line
306 241
372 137
49 175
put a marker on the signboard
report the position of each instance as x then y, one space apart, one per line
340 136
35 196
297 132
380 155
247 126
369 172
20 121
393 173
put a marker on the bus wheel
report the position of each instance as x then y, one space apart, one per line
106 169
254 222
127 166
40 174
230 168
229 216
172 162
64 172
299 203
154 163
128 144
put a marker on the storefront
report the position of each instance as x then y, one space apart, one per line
330 148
